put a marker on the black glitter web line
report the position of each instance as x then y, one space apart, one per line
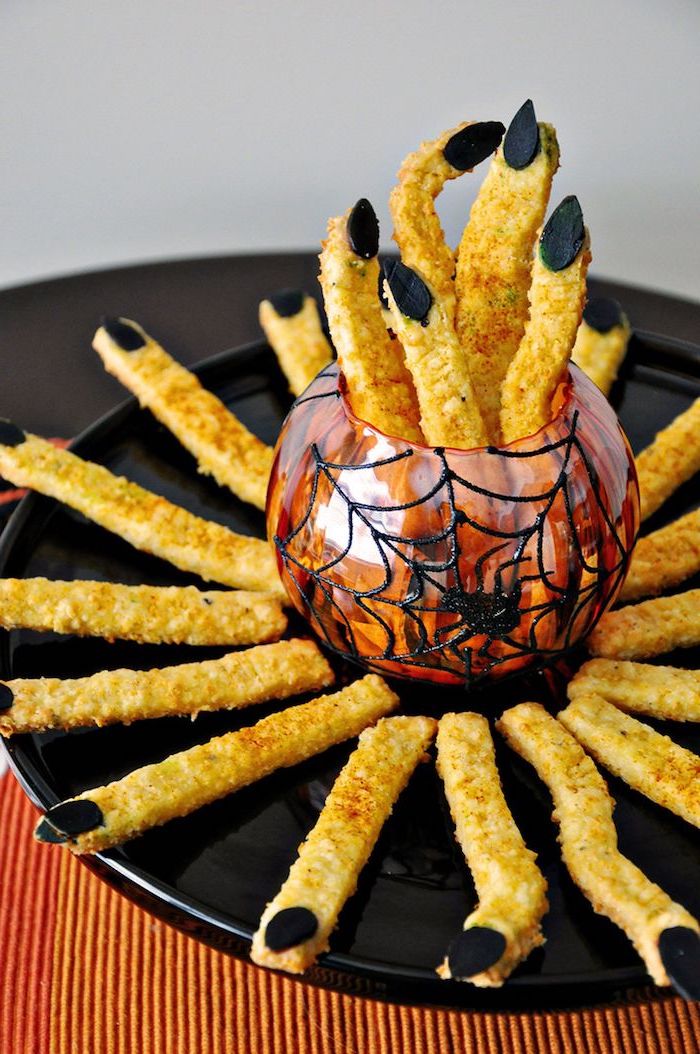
490 615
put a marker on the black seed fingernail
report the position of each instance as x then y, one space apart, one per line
7 697
46 833
287 302
473 144
563 235
522 142
290 927
74 817
363 230
475 950
123 333
602 314
412 296
10 433
679 948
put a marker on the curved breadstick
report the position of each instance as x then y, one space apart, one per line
659 691
145 520
670 460
222 445
653 627
148 614
505 926
601 342
379 385
494 259
269 671
556 299
295 926
292 327
649 762
664 558
417 229
583 809
184 782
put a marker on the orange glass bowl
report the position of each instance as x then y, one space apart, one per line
452 565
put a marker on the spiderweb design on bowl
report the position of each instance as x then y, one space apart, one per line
401 560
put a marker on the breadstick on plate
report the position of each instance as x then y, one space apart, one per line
148 614
292 327
556 296
222 445
186 781
655 924
505 926
296 924
243 678
648 761
380 388
664 558
601 341
145 520
494 259
658 691
670 460
653 627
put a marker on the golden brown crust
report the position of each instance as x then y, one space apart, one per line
510 887
242 678
583 809
659 691
184 782
379 385
148 614
325 873
600 355
670 460
556 305
649 762
417 228
298 341
222 445
664 558
653 627
145 520
494 263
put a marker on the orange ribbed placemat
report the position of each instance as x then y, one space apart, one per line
83 971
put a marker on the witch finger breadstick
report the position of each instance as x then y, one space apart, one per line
664 558
637 687
494 258
601 342
648 761
184 782
292 326
556 299
380 388
656 925
417 229
145 520
222 445
269 671
296 924
670 460
505 926
653 627
148 614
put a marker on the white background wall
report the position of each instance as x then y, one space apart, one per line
140 129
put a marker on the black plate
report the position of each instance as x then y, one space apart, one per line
211 873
